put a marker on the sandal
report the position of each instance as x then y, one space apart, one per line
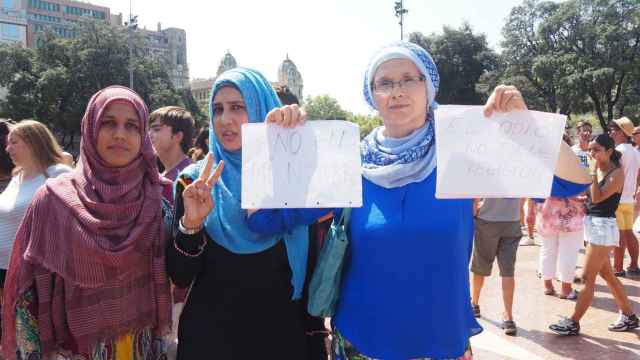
550 292
476 310
509 327
572 295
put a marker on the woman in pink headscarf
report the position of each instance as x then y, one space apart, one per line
87 274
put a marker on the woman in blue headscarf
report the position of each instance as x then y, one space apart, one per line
243 302
405 287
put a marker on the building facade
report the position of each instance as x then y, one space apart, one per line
170 47
201 90
13 22
288 75
59 17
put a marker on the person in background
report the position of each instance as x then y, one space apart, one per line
88 278
6 165
68 159
621 131
636 137
201 146
560 226
497 235
171 132
37 156
526 219
581 148
602 236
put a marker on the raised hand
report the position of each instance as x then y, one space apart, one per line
504 99
287 116
198 201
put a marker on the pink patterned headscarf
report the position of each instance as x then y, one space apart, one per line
92 246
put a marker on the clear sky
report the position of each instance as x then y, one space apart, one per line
330 41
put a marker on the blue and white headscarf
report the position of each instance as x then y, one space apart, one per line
226 224
392 162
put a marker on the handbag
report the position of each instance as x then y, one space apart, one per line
324 287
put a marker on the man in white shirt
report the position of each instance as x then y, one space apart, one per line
621 130
581 149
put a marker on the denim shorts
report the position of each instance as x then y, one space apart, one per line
601 231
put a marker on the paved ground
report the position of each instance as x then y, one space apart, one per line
534 312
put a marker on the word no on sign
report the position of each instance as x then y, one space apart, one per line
314 165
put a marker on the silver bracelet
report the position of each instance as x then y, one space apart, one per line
188 231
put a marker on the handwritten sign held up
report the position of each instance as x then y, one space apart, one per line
315 165
507 155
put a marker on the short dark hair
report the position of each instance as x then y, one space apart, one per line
179 120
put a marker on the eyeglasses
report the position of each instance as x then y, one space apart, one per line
385 87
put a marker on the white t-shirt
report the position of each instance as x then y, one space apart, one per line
14 202
583 155
630 164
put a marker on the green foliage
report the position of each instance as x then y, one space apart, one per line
54 82
324 107
366 122
577 55
462 57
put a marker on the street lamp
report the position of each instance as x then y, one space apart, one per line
132 25
400 11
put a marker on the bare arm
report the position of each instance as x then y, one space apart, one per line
613 184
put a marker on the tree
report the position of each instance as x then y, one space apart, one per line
366 122
324 107
461 57
54 82
604 38
191 105
578 55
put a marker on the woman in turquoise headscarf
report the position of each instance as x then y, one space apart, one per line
243 302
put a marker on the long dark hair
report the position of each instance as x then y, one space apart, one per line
607 143
6 165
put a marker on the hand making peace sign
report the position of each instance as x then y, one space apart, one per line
198 201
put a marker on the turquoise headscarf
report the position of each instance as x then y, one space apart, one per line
226 224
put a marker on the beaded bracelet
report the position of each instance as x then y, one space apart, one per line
200 249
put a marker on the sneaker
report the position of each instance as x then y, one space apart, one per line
527 241
476 310
633 271
620 273
624 323
566 327
509 327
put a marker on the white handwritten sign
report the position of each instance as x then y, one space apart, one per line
315 165
506 155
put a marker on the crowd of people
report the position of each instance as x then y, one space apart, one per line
141 244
